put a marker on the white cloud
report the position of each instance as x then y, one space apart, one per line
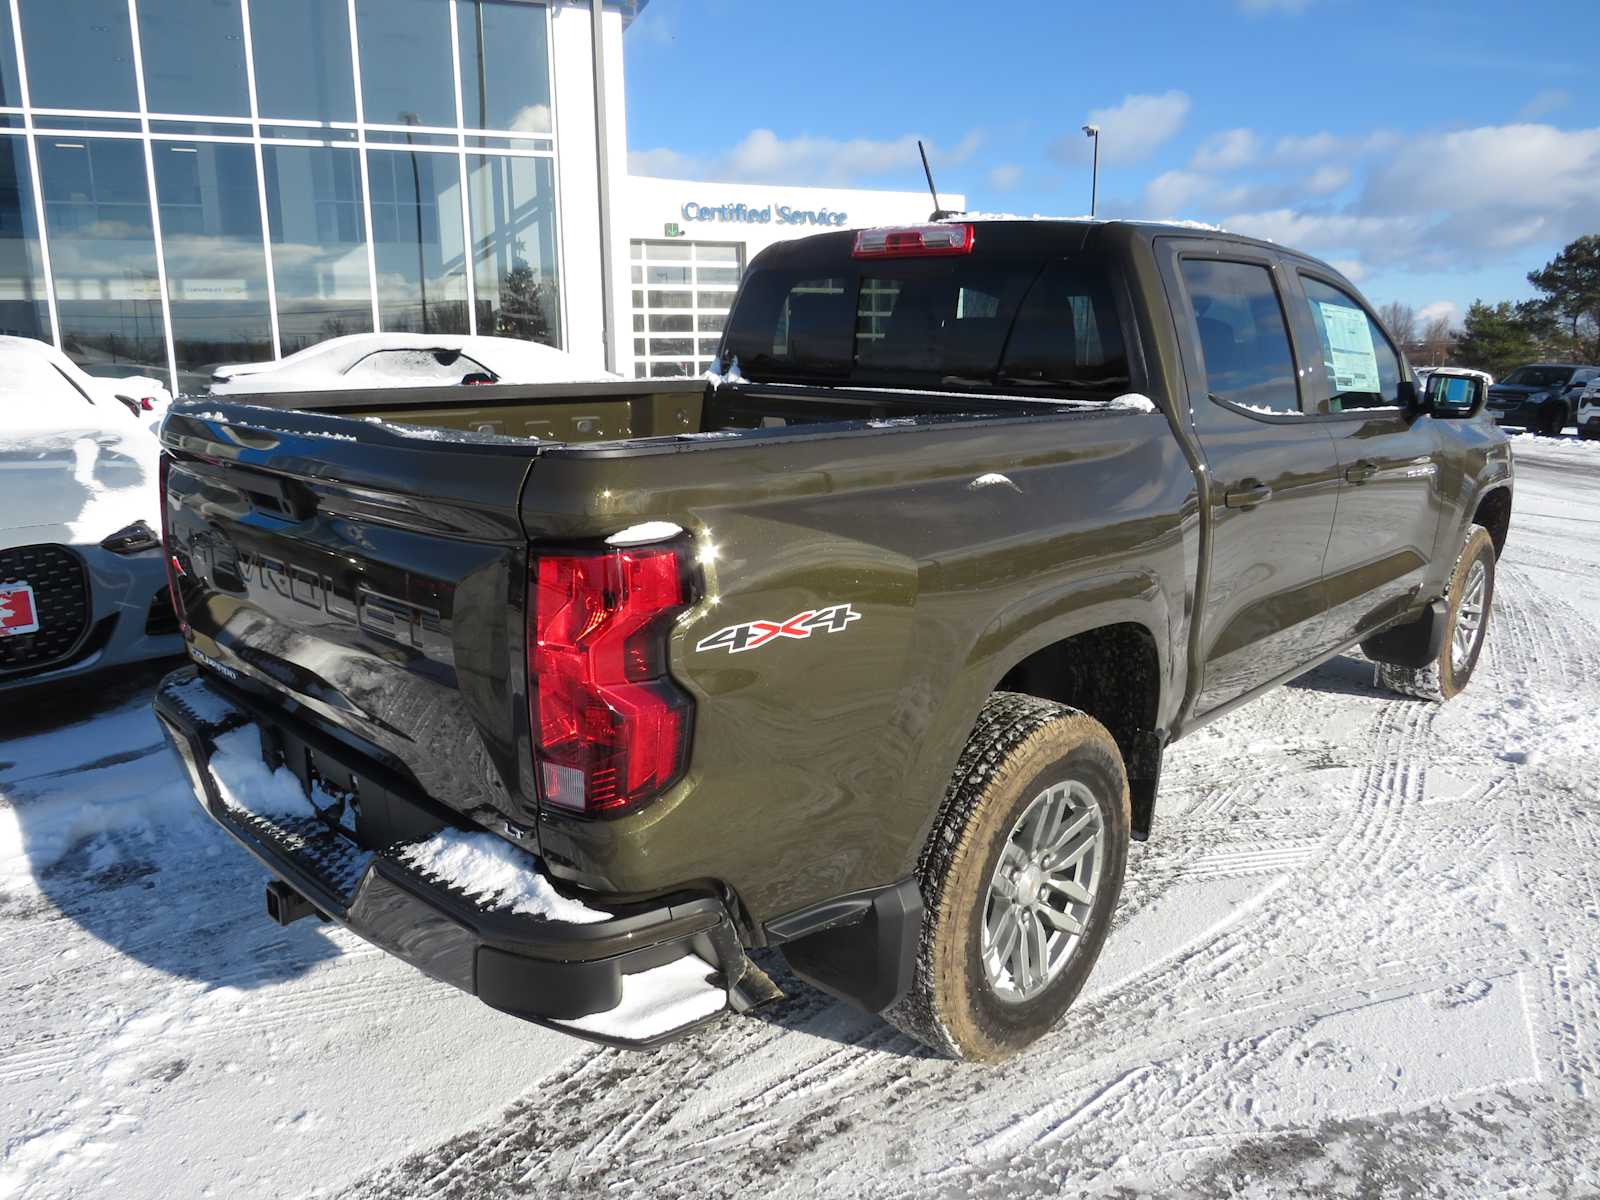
1227 151
1439 308
1521 167
1435 202
1544 103
1173 192
762 156
1005 177
1326 180
663 164
1319 147
1351 268
1129 132
1327 232
532 118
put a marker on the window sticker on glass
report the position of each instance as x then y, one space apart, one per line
1355 361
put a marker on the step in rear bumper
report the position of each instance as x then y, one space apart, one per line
547 971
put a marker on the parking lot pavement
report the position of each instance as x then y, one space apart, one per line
1361 953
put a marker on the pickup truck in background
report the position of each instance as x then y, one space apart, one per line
868 649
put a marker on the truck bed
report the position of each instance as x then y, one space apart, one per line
640 410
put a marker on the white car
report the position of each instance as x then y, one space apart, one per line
83 581
143 397
1589 412
388 360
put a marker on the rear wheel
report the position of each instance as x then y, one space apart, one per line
1466 626
1019 880
1552 420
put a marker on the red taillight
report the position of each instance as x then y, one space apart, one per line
610 727
914 241
174 569
147 403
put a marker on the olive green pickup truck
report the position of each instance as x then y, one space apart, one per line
868 647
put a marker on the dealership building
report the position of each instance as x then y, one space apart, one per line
190 182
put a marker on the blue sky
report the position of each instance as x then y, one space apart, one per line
1436 151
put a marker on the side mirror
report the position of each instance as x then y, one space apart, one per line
1456 396
1407 397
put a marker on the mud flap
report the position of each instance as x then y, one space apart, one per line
1144 779
870 962
1415 644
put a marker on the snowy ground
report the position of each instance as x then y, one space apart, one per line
1361 956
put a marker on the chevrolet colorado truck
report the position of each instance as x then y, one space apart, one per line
867 648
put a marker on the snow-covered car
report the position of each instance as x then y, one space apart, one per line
83 581
144 398
387 360
1589 412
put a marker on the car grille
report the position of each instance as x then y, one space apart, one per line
61 599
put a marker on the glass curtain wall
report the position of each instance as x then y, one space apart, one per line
187 183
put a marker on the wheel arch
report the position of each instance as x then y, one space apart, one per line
1493 512
1072 646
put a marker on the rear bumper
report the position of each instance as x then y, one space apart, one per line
565 975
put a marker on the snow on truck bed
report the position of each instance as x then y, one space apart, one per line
1358 956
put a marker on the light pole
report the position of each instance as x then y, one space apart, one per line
1093 131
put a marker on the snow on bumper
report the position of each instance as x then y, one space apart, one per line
464 907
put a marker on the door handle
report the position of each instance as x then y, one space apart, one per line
1361 472
1248 496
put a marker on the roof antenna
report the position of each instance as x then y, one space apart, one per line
939 214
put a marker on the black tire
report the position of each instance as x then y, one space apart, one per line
1020 747
1450 672
1552 420
1586 434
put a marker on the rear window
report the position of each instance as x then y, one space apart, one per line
1046 327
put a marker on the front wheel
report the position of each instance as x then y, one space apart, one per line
1466 625
1019 879
1552 420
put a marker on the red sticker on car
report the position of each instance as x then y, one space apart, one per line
17 611
752 635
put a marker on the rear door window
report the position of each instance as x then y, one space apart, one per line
1243 336
1363 369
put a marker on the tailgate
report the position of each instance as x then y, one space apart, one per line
368 579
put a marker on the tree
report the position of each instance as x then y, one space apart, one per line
1400 320
1437 340
1498 338
527 306
1569 293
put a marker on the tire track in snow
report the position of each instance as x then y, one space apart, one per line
859 1070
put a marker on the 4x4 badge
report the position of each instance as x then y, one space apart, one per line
752 635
